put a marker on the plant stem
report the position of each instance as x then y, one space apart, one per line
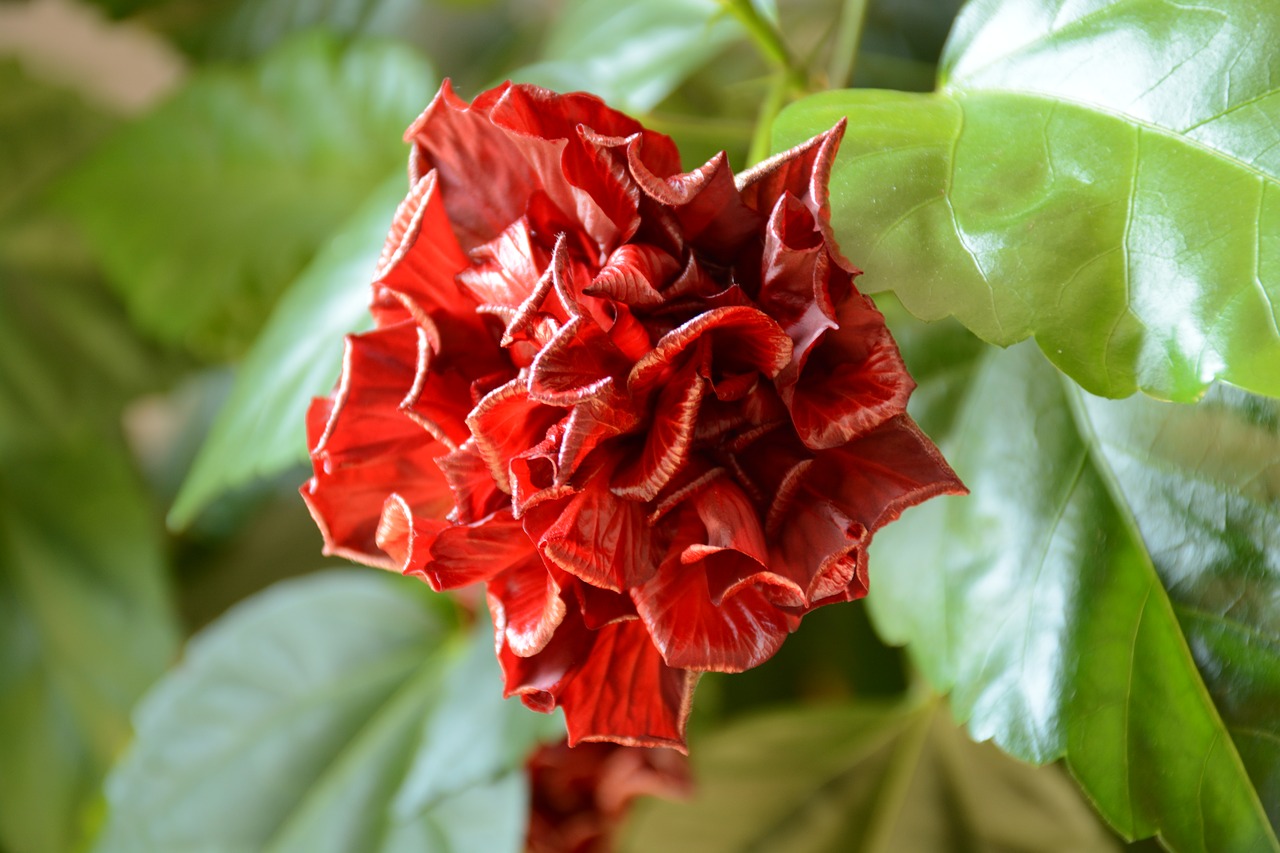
773 103
706 128
896 783
787 78
762 32
844 54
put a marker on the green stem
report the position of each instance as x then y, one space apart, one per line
762 32
896 781
707 128
789 77
848 37
773 104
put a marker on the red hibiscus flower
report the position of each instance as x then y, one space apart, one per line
580 796
648 409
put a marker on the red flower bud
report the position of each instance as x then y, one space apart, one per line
580 797
647 408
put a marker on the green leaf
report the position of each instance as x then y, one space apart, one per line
1107 548
633 55
1103 176
254 26
261 430
45 130
863 778
68 359
330 713
241 29
85 626
203 211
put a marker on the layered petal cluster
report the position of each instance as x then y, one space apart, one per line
647 409
580 797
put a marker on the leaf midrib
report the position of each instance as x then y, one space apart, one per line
427 672
387 666
1093 444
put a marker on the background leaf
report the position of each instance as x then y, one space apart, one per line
857 779
328 734
85 620
1056 604
204 210
248 28
633 55
46 130
67 358
85 626
261 430
1101 175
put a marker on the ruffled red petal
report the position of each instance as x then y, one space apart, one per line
362 440
707 607
873 479
596 536
506 423
854 381
670 435
649 410
624 692
526 606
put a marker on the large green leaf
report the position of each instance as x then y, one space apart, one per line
633 54
85 626
330 713
203 211
1107 548
864 779
1101 175
261 430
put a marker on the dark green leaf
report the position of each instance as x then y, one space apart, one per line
1202 485
858 779
240 29
1057 602
67 356
68 359
85 626
633 55
45 130
1103 176
262 429
206 209
330 713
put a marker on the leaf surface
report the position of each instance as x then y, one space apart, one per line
329 713
1101 175
203 211
1080 602
857 779
635 54
261 429
85 626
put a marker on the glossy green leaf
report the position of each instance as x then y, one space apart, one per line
330 713
633 54
261 430
858 779
204 211
85 626
1101 175
1107 548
